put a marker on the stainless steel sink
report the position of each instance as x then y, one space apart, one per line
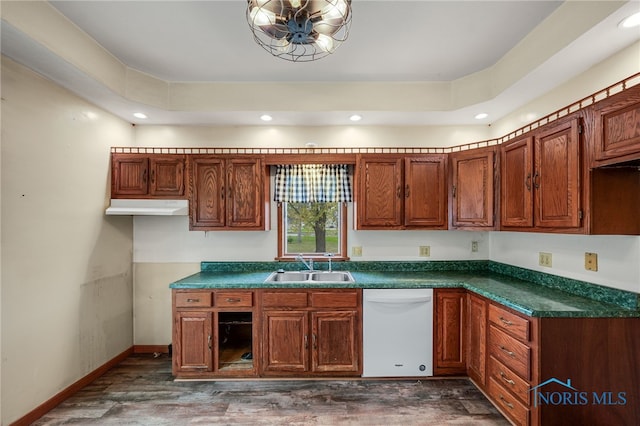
315 277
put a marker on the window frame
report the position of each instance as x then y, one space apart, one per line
316 257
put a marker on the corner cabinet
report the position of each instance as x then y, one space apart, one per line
214 333
147 176
226 193
311 332
541 180
401 192
473 178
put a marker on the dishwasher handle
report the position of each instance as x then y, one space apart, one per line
398 300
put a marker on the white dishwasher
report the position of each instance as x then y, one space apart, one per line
397 332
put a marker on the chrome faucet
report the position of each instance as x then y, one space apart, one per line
329 256
309 265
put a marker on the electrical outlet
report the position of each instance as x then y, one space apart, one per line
591 261
356 251
425 251
474 246
545 259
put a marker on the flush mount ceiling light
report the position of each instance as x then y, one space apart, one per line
140 115
299 30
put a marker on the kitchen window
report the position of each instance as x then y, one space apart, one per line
312 209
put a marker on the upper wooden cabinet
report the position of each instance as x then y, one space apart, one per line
226 193
401 192
616 122
541 179
147 176
472 200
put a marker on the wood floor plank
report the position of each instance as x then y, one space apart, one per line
142 391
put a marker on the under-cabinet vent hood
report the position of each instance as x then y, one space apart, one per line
148 207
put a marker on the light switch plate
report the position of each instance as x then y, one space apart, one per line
356 251
425 251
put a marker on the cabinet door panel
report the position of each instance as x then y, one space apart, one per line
557 177
472 191
380 193
194 337
425 192
208 193
334 342
130 175
516 184
476 338
285 341
167 175
450 324
245 193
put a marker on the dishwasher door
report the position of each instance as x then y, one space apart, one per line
397 332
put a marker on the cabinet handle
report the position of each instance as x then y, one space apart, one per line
222 192
508 404
306 341
399 192
233 299
192 300
454 191
315 345
505 321
508 352
144 176
209 341
406 191
527 181
506 379
536 180
153 176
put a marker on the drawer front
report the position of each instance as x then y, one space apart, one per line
512 353
193 299
509 322
243 299
509 405
287 299
509 380
335 299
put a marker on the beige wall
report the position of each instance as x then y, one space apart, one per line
66 268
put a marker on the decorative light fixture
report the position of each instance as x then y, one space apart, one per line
299 30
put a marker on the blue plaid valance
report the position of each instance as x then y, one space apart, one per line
312 183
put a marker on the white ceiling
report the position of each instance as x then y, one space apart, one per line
390 42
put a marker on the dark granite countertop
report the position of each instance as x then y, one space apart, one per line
526 296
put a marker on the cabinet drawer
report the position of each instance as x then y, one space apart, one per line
234 299
512 353
509 322
509 405
193 299
509 380
280 299
335 299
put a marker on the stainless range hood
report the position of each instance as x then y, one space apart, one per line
148 207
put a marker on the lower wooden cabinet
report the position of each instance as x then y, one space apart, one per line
476 338
214 333
449 332
314 332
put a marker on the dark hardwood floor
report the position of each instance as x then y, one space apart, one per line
141 391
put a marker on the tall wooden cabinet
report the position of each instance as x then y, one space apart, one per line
311 332
401 192
472 194
226 193
147 176
541 179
